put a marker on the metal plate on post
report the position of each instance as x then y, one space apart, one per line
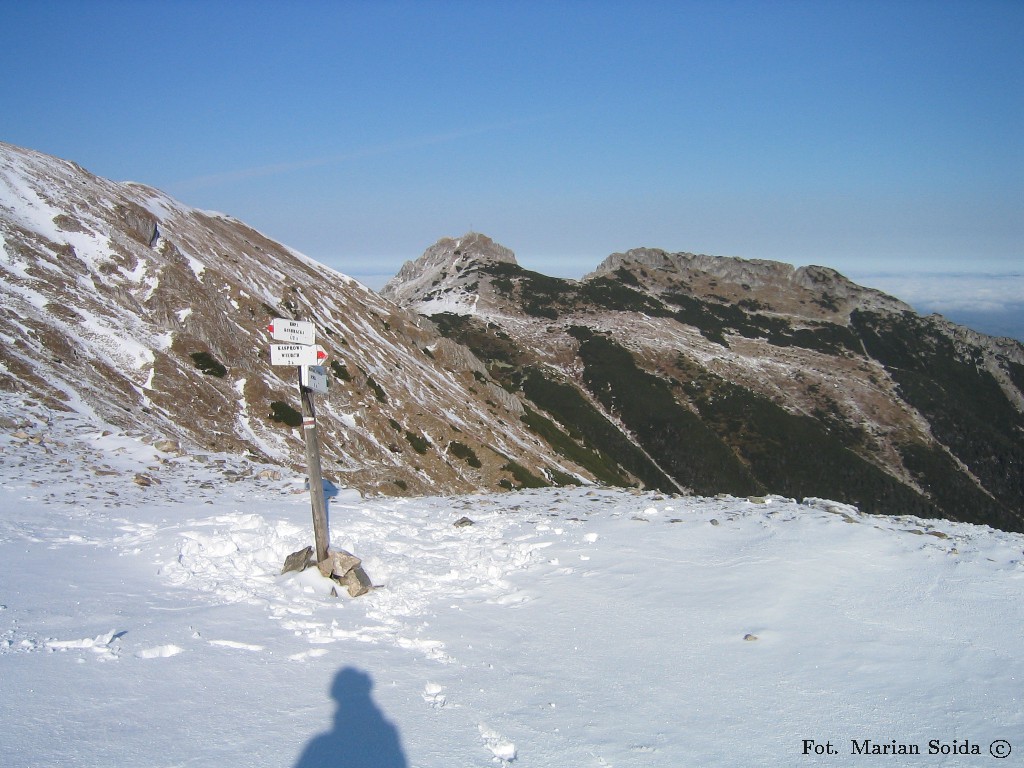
314 378
293 331
297 354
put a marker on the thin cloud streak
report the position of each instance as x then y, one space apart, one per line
275 169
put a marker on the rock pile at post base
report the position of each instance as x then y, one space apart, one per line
339 565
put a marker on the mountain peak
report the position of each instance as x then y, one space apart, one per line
810 291
445 259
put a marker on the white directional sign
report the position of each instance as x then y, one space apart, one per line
293 331
314 378
297 354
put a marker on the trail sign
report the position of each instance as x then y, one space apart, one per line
307 356
314 378
297 354
293 331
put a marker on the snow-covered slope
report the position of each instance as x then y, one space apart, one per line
146 623
120 303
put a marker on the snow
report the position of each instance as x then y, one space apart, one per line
457 304
197 267
149 626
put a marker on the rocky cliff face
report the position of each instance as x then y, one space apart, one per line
148 315
708 374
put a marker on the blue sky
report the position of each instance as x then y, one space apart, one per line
868 136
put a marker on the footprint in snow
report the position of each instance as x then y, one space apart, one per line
434 695
502 749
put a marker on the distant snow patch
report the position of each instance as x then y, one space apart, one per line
197 267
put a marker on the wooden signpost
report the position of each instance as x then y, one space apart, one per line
302 352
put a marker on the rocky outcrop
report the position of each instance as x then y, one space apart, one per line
810 291
443 262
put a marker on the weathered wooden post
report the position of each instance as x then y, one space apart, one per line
343 567
303 353
316 484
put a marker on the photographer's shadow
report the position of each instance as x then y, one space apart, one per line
362 737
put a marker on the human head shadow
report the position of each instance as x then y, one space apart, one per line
362 737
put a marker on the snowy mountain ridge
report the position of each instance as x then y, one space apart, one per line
122 303
684 371
675 372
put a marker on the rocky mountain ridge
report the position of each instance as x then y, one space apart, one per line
813 292
676 372
147 315
712 374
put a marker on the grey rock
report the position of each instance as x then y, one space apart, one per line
298 561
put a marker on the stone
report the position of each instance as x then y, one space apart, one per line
338 563
298 561
357 582
749 637
347 570
462 522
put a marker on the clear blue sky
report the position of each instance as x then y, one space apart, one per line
866 136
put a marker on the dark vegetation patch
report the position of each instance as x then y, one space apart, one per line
592 441
283 413
1016 371
377 389
542 296
964 404
683 445
797 455
495 348
958 496
208 364
464 452
627 277
521 478
340 371
419 443
714 320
